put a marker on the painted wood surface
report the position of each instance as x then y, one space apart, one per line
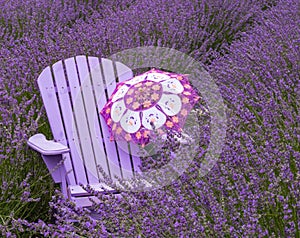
74 91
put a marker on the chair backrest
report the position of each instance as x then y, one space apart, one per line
74 91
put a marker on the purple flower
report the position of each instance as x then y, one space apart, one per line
251 49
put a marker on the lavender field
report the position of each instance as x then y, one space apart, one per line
250 48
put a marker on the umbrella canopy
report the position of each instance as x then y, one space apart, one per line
153 100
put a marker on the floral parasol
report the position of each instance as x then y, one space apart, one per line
153 100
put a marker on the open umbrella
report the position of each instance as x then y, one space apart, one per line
153 100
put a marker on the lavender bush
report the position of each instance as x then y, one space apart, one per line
252 50
191 27
260 81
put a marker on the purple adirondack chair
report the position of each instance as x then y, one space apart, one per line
74 91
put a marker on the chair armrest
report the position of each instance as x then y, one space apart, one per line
39 143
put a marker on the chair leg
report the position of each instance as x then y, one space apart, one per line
64 182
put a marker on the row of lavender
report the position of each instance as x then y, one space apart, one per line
251 49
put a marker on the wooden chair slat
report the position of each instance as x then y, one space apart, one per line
133 163
98 91
124 161
67 114
91 146
110 146
80 123
48 93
